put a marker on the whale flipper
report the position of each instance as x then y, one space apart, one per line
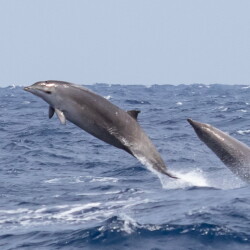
61 116
51 112
169 174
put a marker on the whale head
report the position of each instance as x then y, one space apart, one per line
47 90
199 127
206 132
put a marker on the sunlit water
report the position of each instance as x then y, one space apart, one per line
63 189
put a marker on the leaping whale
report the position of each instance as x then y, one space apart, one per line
99 117
233 153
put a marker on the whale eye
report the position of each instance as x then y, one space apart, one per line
48 92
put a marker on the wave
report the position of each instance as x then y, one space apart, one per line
122 232
89 195
78 179
127 226
13 219
137 102
243 132
148 86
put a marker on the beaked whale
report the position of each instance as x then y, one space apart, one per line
99 117
233 153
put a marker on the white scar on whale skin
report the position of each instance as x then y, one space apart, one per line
209 130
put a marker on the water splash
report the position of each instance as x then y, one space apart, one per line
197 178
194 178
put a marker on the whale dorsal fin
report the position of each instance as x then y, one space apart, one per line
51 112
134 113
61 116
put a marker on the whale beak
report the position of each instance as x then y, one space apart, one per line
201 129
195 124
27 89
30 89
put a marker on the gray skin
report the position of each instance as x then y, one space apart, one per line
100 118
233 153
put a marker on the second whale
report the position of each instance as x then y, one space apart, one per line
233 153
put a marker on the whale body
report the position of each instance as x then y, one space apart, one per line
233 153
99 117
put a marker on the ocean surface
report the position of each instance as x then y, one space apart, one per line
61 188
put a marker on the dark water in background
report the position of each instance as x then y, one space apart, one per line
63 189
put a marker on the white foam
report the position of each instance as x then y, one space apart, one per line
188 179
72 214
222 108
54 180
197 178
69 213
108 97
179 103
78 180
129 224
194 178
13 86
100 193
81 179
19 210
243 132
26 102
225 179
104 179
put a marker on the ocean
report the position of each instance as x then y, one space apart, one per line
61 188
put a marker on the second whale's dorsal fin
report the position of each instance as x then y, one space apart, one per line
61 116
51 112
134 113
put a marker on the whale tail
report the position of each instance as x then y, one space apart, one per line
154 166
163 171
170 175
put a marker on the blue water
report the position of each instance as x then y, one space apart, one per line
61 188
